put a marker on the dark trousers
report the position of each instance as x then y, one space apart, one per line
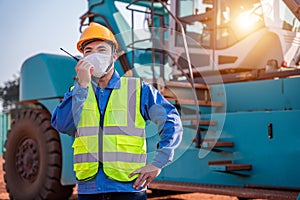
114 196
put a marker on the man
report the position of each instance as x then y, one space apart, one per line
108 115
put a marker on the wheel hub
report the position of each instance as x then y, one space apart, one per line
27 160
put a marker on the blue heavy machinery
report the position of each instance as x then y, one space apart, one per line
230 66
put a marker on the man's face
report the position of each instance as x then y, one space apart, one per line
97 47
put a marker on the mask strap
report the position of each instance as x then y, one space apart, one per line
111 60
109 66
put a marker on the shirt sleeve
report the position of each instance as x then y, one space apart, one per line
67 114
156 108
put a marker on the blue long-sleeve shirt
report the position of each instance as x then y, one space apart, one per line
154 107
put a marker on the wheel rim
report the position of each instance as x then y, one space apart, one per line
27 160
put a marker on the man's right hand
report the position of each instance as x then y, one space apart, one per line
84 70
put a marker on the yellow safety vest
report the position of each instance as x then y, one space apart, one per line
124 143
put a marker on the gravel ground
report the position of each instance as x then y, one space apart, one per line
188 196
3 193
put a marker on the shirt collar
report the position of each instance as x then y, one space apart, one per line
114 82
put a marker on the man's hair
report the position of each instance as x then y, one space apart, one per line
113 46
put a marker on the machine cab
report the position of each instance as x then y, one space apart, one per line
236 34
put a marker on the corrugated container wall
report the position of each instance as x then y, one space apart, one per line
4 126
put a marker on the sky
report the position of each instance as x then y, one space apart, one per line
29 27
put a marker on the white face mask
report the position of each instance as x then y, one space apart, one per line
100 62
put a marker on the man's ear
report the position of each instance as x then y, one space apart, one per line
115 56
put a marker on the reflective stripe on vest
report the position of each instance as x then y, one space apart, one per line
124 144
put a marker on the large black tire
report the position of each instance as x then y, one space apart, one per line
33 159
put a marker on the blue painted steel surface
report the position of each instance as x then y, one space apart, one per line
46 76
274 161
255 96
251 107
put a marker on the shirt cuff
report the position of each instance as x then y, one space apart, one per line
80 92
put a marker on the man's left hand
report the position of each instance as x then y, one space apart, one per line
146 175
